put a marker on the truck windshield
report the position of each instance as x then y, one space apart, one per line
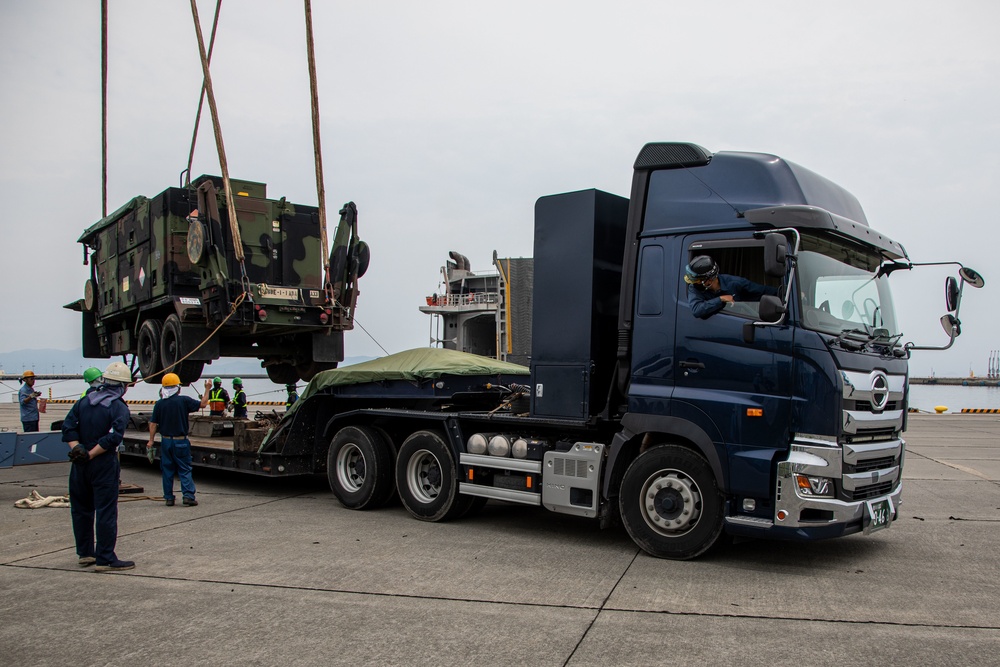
838 289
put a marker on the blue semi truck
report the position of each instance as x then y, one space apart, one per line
779 418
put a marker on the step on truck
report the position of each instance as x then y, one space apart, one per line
167 286
778 417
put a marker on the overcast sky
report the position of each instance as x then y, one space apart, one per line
445 121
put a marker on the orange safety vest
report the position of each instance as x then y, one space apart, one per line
215 401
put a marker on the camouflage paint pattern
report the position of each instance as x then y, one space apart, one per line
141 270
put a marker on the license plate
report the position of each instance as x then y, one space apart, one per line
879 515
268 292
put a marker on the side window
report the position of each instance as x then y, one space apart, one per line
741 276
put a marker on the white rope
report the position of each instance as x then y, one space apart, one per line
36 500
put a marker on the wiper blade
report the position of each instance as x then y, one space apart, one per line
851 344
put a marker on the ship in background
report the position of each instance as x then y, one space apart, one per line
484 313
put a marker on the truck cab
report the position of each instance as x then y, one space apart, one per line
802 419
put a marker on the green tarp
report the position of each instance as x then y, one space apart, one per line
419 364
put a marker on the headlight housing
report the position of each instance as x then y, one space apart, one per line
816 487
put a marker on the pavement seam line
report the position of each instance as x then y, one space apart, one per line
604 602
438 598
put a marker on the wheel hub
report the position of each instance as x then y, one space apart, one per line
424 476
671 502
351 468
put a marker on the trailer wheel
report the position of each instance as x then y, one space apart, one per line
148 350
426 479
670 503
359 468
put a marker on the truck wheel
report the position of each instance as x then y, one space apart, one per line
359 468
172 349
670 503
426 480
149 350
282 373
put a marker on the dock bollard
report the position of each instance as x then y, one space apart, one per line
940 408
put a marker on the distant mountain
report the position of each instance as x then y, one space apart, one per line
71 362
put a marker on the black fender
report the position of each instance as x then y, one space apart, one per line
633 424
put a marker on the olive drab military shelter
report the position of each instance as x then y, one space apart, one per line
165 283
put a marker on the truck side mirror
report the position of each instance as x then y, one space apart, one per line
775 251
772 309
971 276
951 326
951 294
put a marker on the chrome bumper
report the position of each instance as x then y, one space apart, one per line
857 484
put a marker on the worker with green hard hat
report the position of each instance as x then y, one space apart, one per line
94 377
239 400
218 398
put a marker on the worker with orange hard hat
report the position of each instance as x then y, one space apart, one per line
170 418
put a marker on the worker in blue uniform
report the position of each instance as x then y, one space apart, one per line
239 400
710 291
170 418
93 429
27 397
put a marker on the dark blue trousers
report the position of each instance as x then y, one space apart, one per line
93 499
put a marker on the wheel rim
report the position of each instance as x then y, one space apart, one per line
423 476
147 353
351 468
670 503
169 348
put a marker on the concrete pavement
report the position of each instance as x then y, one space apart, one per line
269 572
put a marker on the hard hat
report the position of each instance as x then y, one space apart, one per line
28 374
237 382
91 374
700 269
217 380
118 372
171 380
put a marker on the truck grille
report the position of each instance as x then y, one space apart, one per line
871 464
866 492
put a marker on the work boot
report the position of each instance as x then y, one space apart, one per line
86 561
191 502
116 566
169 502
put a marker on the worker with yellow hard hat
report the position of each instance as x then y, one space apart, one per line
27 398
170 419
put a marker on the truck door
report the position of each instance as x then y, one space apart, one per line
738 392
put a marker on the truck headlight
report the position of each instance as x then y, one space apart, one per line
819 487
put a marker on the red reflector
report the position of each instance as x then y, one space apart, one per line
324 318
262 314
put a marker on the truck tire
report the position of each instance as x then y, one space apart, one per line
670 503
359 468
426 478
282 373
148 350
172 349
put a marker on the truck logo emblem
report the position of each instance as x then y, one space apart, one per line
880 391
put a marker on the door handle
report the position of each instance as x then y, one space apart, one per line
691 364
